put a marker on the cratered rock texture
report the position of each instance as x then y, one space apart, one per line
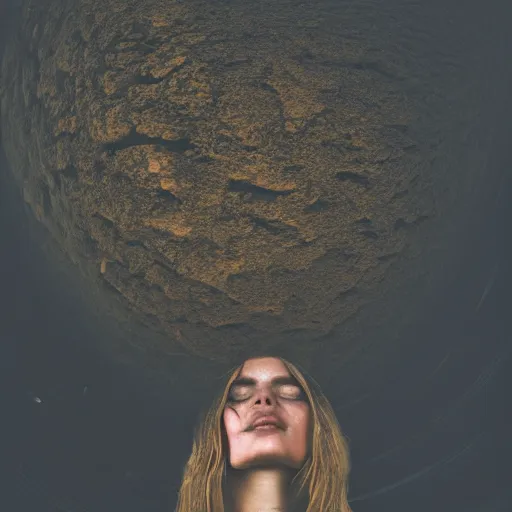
243 175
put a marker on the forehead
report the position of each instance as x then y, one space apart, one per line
264 368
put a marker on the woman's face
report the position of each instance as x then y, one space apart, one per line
267 417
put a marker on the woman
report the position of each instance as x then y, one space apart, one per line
270 441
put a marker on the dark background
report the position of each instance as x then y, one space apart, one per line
81 432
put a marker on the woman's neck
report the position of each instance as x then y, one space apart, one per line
259 490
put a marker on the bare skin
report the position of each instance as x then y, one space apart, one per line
264 460
259 490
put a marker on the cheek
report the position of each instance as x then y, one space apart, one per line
232 422
299 417
301 422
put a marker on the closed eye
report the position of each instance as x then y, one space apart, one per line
290 391
239 394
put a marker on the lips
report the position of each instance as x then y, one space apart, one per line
263 421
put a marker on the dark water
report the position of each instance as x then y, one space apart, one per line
80 433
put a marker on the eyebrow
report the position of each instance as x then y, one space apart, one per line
247 381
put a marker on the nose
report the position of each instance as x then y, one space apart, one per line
264 397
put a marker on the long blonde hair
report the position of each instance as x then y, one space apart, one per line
324 474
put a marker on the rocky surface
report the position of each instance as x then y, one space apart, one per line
243 175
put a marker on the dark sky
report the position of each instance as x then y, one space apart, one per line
81 434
